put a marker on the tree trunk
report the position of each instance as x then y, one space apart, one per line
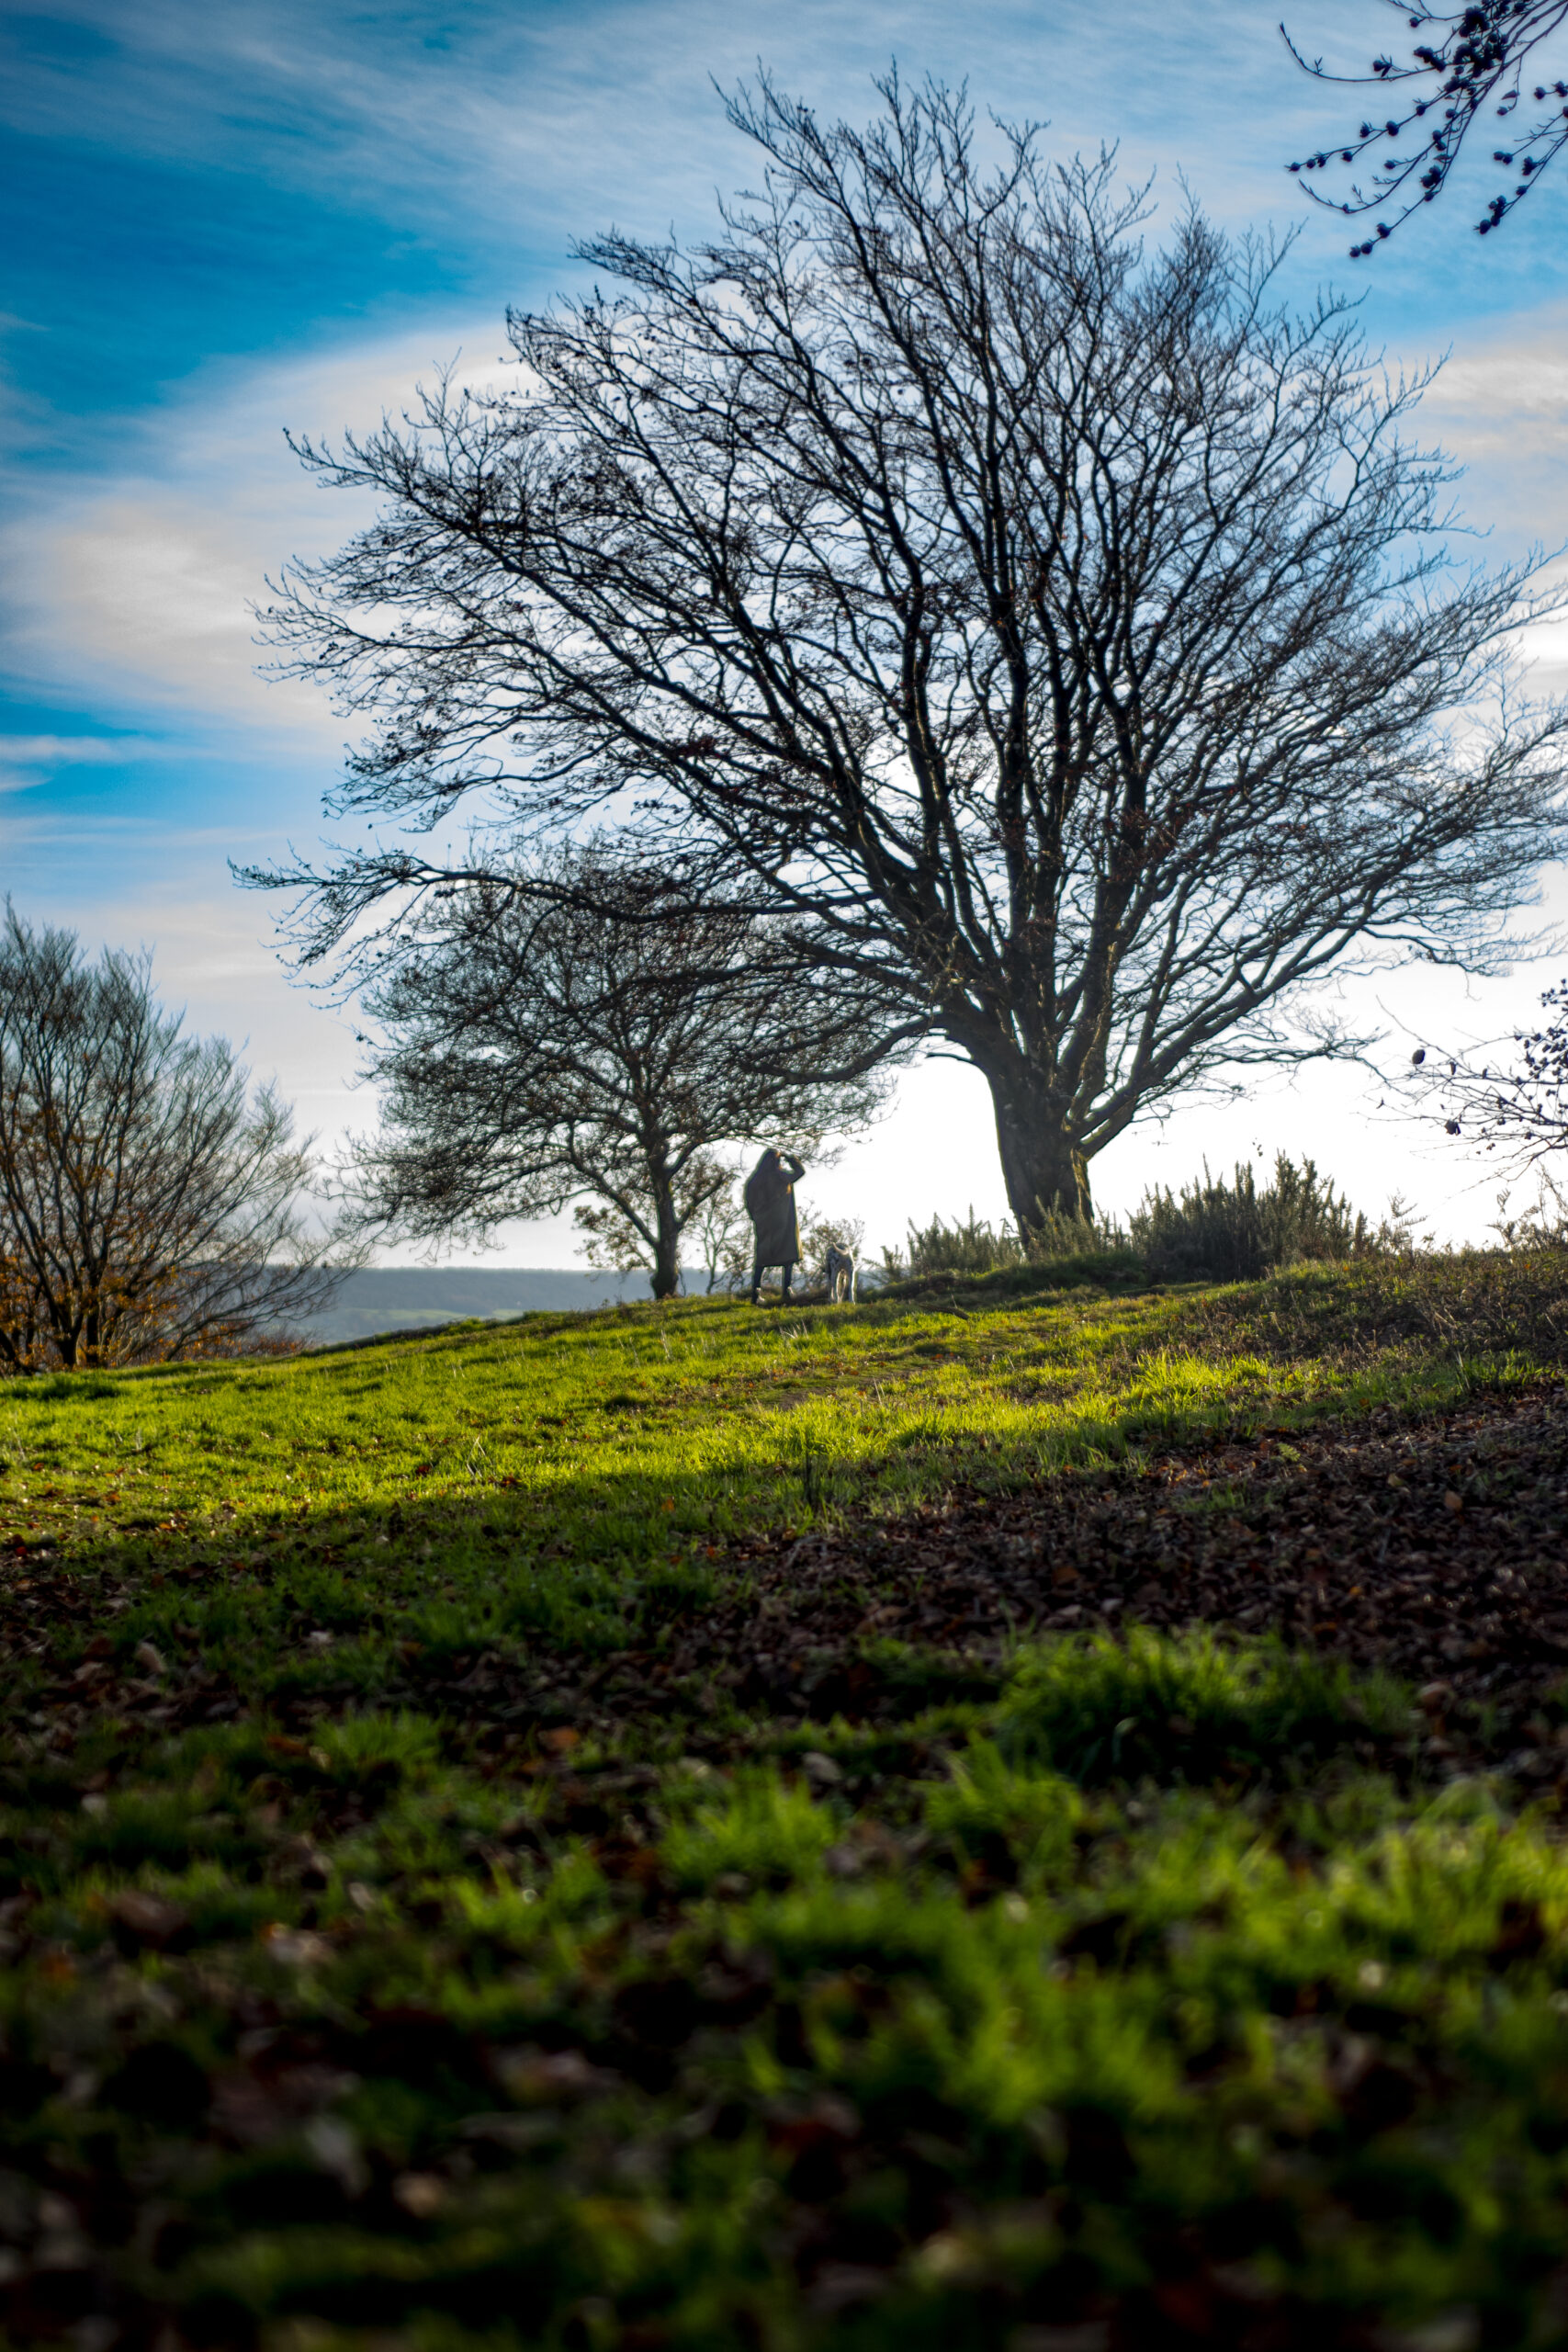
1042 1167
667 1240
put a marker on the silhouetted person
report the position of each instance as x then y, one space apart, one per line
770 1204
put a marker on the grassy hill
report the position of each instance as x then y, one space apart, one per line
1023 1814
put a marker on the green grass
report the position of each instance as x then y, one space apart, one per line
615 1437
1141 1990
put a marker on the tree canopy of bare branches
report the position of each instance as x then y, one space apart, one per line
583 1032
1063 629
147 1208
1469 61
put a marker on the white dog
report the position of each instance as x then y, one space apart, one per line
840 1271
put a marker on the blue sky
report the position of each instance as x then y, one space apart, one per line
227 219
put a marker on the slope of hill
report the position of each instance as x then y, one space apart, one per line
1022 1819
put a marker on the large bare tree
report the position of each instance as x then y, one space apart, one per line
149 1204
582 1032
1064 628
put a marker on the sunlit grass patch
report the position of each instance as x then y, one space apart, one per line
605 1443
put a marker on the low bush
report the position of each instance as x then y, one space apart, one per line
977 1247
1236 1232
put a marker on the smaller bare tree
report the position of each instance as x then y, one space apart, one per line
148 1205
621 1242
724 1235
583 1032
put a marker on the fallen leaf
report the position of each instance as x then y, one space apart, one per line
295 1946
420 2194
150 1919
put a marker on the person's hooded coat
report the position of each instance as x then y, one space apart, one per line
770 1204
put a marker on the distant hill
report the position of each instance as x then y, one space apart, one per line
406 1298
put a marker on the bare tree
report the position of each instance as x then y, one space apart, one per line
585 1032
1470 61
1065 630
147 1207
724 1236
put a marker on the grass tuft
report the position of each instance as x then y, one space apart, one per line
1194 1709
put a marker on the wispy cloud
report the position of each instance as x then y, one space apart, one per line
1501 405
28 761
530 119
70 750
139 589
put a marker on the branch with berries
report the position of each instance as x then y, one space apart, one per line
1470 61
1515 1102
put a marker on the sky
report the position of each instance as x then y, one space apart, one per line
226 220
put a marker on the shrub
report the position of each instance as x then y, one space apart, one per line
1059 1236
977 1248
973 1248
1236 1232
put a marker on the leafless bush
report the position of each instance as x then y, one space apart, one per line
148 1206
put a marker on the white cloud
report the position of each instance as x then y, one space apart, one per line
28 761
154 586
1500 406
143 585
